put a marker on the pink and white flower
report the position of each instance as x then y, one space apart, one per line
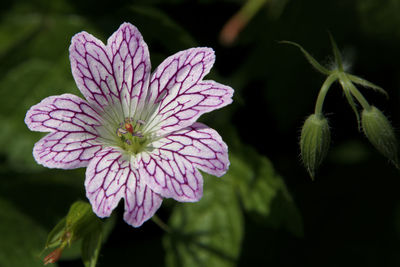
136 132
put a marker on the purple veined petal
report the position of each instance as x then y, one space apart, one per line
115 75
109 178
64 113
171 168
180 95
72 123
66 150
140 201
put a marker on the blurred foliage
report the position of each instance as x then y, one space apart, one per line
21 238
264 211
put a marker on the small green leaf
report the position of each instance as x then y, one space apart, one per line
310 59
208 232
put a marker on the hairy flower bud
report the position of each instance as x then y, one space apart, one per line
314 142
380 133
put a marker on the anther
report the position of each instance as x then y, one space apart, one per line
138 134
121 131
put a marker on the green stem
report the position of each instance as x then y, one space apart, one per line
322 93
360 98
348 85
161 224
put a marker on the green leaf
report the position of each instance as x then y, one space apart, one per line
263 192
35 69
208 232
21 238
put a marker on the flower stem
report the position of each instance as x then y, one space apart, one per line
161 224
322 93
360 98
348 85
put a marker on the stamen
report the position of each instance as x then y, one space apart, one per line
138 134
137 139
121 131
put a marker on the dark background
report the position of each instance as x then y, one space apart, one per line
350 213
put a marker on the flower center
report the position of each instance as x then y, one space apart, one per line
130 136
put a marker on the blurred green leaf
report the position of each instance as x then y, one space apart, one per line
168 33
263 192
52 191
350 152
15 31
21 238
379 19
33 66
91 245
209 232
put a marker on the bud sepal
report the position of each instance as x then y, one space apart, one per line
380 133
314 142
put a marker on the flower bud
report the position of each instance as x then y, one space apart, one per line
79 224
380 133
314 142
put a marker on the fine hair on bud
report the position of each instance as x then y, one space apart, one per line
314 142
380 133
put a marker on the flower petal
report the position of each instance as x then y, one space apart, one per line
178 94
65 150
140 202
64 113
171 168
116 75
73 123
109 178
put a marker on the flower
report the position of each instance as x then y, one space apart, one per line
136 132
